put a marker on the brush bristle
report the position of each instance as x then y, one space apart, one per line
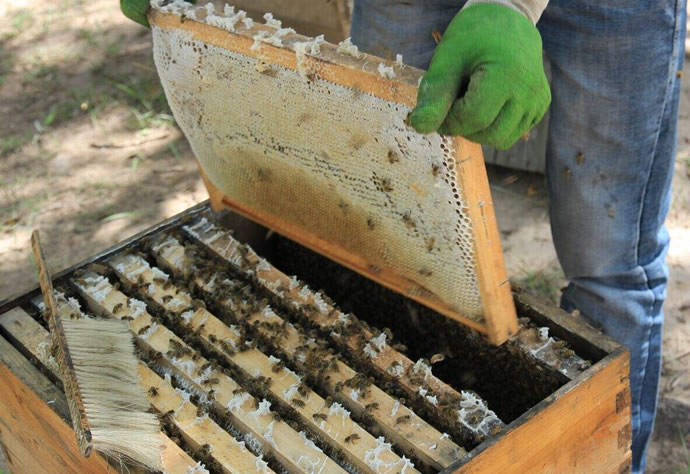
122 425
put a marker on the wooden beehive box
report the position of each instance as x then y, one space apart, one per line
253 370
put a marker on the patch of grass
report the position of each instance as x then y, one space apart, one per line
12 143
97 214
44 72
114 48
88 35
23 208
22 19
147 101
119 215
174 150
686 453
6 64
541 283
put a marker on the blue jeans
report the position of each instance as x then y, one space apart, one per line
610 154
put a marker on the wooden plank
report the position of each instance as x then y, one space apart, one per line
492 277
36 438
584 427
588 341
362 74
330 423
414 436
475 423
231 455
34 380
35 338
295 452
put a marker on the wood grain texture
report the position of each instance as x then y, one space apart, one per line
35 437
362 74
494 287
34 379
582 428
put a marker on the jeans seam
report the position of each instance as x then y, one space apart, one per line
667 94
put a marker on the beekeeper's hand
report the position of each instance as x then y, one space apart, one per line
135 10
486 80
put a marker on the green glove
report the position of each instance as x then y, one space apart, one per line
493 54
136 10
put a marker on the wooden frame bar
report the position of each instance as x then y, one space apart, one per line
276 437
415 435
412 375
331 424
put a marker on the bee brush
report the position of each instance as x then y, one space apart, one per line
98 368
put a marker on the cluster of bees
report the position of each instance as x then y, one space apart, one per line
316 358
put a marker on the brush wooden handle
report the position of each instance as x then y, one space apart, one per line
80 423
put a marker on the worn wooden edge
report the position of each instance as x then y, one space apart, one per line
589 342
36 438
13 322
499 310
500 321
557 435
80 422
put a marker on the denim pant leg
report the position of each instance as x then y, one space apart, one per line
612 142
389 27
610 155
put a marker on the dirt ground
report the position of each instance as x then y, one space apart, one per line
90 154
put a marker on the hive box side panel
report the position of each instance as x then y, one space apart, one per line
34 437
584 427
